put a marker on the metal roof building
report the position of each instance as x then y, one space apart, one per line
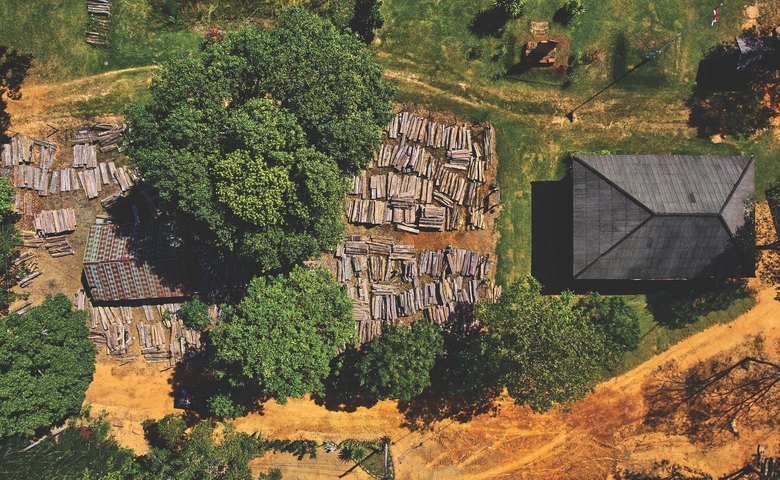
133 262
659 217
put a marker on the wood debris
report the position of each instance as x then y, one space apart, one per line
98 25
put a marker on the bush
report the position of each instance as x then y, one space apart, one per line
195 314
512 8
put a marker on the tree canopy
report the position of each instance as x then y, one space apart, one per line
195 314
279 341
616 317
249 143
46 364
197 453
398 363
543 349
13 71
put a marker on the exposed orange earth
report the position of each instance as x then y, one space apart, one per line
599 432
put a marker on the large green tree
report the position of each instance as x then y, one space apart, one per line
398 363
279 341
9 242
617 318
544 350
46 364
250 142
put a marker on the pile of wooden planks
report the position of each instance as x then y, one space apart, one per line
59 248
110 325
388 282
28 278
18 152
84 155
105 135
431 165
55 222
98 26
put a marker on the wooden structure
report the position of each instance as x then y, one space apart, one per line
659 217
134 262
98 26
389 282
540 29
424 175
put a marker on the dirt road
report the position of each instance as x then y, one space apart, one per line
598 432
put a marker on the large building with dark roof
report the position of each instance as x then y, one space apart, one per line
131 262
659 217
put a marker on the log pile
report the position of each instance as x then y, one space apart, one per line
111 326
105 135
91 180
424 164
55 222
59 248
98 25
389 282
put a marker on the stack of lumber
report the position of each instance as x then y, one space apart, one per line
98 25
154 344
59 248
23 204
17 152
431 165
92 180
109 326
105 135
55 222
30 239
388 282
28 278
23 309
84 156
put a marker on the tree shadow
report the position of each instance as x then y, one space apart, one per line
562 16
678 307
463 384
489 23
619 55
343 391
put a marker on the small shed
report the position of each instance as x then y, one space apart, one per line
130 262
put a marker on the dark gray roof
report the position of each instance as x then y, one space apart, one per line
658 216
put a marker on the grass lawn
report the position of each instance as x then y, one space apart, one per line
54 32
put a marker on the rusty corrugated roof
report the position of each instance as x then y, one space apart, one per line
133 262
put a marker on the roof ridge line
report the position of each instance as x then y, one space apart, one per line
734 190
650 217
615 186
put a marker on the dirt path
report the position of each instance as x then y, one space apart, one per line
598 432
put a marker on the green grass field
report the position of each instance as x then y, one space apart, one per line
54 31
